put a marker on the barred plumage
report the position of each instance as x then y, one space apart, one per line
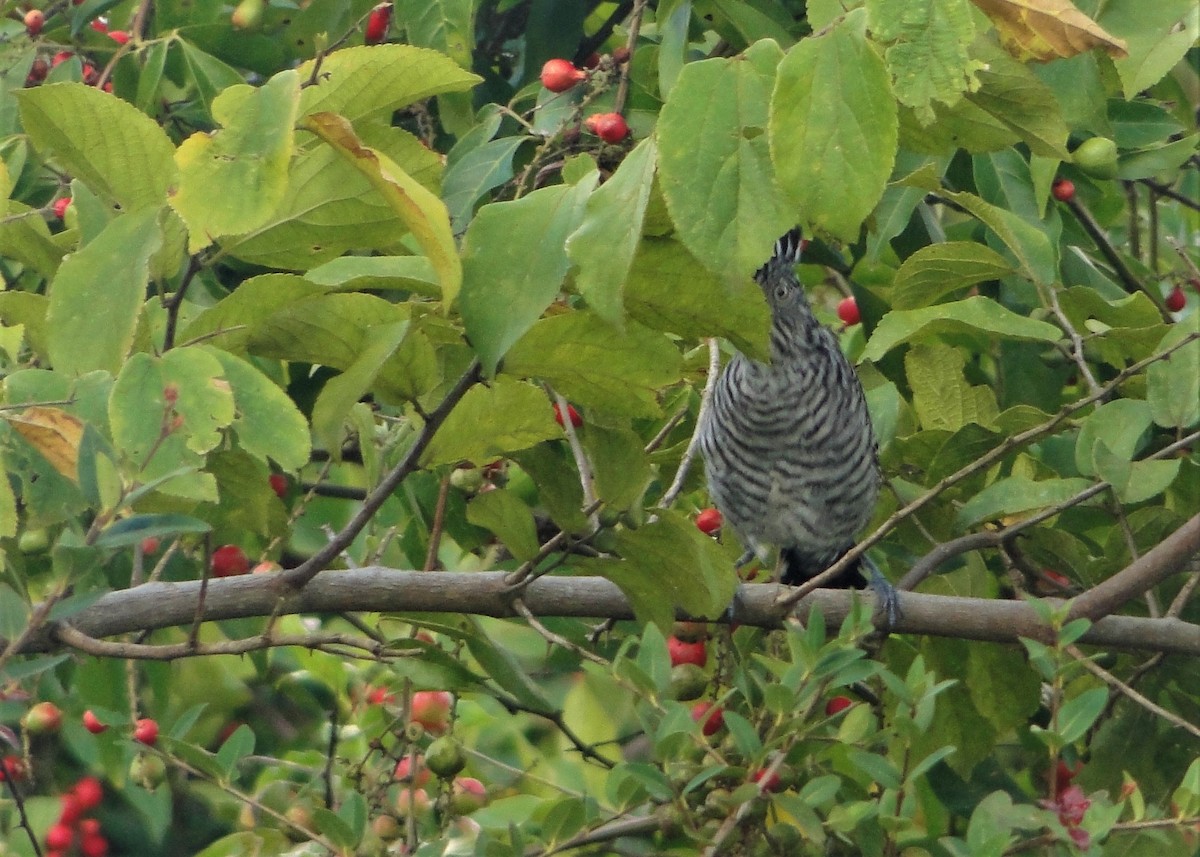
789 449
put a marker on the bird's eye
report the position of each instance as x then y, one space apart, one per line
781 292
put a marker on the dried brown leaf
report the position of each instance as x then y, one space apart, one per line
1047 29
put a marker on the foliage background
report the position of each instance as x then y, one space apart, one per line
375 268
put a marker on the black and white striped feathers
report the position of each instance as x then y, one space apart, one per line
789 449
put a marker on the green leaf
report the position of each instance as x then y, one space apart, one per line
1028 243
1012 95
232 321
714 163
210 76
1121 425
27 239
1133 481
330 207
420 210
97 295
668 564
138 411
620 464
939 269
977 314
374 81
593 365
834 127
342 392
1173 384
668 290
927 55
942 397
502 513
476 172
1016 494
504 669
514 263
131 531
516 414
1078 714
1157 37
444 25
105 142
604 245
235 748
360 273
230 181
267 423
325 329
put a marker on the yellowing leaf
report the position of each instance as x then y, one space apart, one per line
54 433
422 212
1047 29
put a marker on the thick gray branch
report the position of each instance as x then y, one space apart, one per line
374 589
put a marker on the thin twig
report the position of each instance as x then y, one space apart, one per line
1131 282
587 481
635 25
556 639
710 383
1081 364
439 521
1110 679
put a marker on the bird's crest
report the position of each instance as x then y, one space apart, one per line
787 253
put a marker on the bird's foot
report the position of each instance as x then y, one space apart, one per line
887 594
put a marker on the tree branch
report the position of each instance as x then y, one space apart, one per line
375 589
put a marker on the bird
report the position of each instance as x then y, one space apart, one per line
789 450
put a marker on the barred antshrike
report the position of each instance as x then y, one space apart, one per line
789 449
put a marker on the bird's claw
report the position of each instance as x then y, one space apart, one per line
887 594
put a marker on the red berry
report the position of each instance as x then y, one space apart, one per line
576 420
709 521
93 846
415 775
150 545
609 127
685 652
847 310
1177 300
92 723
712 717
467 795
838 703
37 72
377 24
60 206
12 768
119 36
34 19
279 484
431 708
45 718
99 25
379 695
560 75
72 809
89 792
89 827
592 61
229 561
1063 190
60 58
146 731
769 783
60 837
